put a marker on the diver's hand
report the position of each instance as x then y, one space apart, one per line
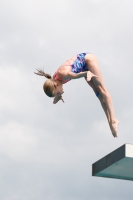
62 99
90 75
57 98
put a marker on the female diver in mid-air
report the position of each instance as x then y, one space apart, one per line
82 65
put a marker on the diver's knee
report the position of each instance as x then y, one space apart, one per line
102 92
99 88
97 94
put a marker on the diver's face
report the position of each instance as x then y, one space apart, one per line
58 89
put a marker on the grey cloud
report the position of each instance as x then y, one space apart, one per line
47 150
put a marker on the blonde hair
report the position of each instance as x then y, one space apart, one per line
48 86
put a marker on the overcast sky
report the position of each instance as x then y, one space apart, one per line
46 150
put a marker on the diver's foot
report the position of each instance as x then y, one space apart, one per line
114 126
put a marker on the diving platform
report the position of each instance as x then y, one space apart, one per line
117 164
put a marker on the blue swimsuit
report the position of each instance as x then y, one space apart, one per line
79 65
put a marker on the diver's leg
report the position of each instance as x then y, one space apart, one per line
100 99
92 65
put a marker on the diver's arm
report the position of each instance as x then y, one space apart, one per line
87 74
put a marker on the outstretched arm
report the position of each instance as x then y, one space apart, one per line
87 74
